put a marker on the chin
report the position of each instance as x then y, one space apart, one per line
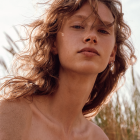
85 69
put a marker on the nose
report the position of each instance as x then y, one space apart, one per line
90 38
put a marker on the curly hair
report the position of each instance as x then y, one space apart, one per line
36 69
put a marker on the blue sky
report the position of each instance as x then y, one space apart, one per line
16 12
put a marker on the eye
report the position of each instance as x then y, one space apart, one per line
77 27
103 31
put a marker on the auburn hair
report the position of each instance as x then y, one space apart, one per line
36 69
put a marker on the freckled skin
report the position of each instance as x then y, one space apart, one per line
70 40
59 116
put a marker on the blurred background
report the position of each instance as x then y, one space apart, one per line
120 118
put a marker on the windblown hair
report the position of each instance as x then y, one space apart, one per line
36 69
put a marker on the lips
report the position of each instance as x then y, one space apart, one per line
90 50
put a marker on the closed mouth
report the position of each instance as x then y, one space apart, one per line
92 50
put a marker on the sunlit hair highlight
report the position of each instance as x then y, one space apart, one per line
36 69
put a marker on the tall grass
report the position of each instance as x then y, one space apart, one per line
121 120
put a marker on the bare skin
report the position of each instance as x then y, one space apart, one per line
59 116
21 120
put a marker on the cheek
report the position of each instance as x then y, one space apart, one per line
108 47
62 39
62 47
110 43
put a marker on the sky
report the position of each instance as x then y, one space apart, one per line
19 12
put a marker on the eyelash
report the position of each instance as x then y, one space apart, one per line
77 27
81 27
103 31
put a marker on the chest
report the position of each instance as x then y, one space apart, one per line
46 130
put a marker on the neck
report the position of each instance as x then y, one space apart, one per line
67 103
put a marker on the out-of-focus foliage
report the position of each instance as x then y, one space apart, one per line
11 49
120 120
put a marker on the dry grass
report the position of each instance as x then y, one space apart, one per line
121 120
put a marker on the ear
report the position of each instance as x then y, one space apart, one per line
113 54
54 49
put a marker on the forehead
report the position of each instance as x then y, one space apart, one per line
87 12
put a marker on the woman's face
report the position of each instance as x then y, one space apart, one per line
83 43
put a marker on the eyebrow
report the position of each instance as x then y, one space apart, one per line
80 16
106 23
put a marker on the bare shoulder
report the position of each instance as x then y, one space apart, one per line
15 117
97 133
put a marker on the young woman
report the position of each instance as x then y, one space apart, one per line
77 53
